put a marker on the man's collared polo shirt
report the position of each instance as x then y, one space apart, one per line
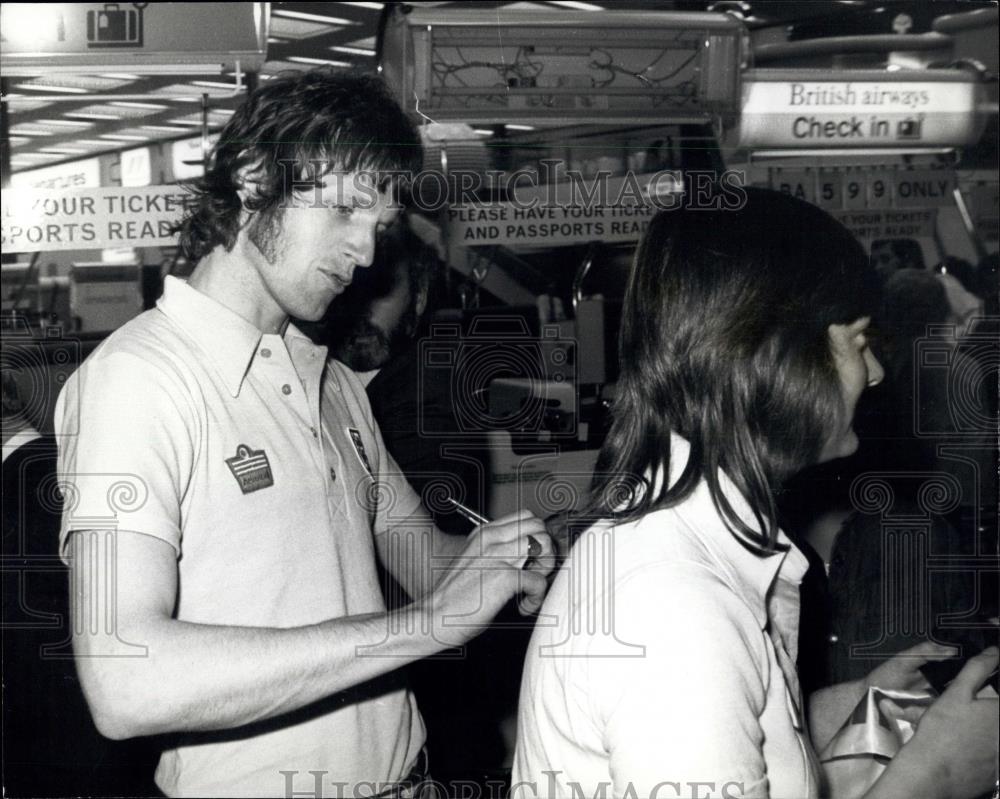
256 459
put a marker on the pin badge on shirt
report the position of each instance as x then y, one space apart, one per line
359 446
251 469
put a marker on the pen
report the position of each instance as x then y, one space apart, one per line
534 548
468 513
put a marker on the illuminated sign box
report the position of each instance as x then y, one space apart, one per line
563 67
805 109
142 37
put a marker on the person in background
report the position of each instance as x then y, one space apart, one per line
231 484
668 658
376 327
50 744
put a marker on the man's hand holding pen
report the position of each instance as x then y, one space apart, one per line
509 557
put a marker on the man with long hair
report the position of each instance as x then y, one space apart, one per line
229 492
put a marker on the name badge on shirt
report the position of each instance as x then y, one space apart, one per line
359 446
251 469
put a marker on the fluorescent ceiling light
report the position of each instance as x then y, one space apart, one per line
162 128
213 84
368 43
20 103
27 130
38 87
123 137
119 75
189 93
576 5
64 123
352 50
129 104
372 6
301 59
520 127
298 29
90 142
280 12
63 150
482 131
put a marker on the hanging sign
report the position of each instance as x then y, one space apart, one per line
804 109
101 218
857 189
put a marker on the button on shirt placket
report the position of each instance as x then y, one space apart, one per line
309 365
280 371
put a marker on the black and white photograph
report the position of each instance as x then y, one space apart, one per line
500 400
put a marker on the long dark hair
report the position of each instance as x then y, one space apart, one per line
724 341
344 121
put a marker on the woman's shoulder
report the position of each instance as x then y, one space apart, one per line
660 549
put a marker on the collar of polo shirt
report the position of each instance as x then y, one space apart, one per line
229 340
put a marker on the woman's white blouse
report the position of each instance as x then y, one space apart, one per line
663 665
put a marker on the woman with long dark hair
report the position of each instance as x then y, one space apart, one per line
663 661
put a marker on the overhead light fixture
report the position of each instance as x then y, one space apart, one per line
372 6
64 123
482 131
162 128
25 71
27 130
91 143
576 5
35 158
123 137
130 104
39 87
281 12
213 84
63 150
353 50
368 43
520 127
301 59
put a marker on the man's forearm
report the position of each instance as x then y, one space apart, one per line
203 677
146 672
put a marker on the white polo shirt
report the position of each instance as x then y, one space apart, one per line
256 459
663 664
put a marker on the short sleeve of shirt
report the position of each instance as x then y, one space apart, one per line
688 709
127 434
